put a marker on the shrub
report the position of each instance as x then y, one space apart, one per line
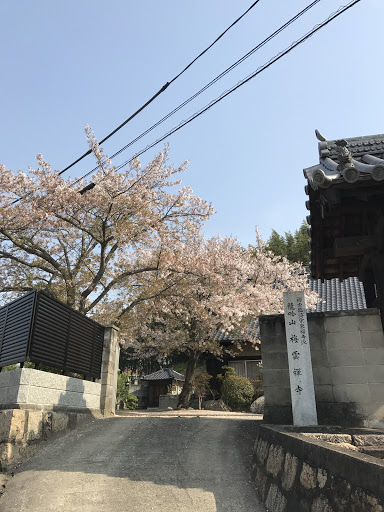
237 392
130 402
123 381
10 368
122 394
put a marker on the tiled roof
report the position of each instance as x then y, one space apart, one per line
339 296
253 330
164 374
347 160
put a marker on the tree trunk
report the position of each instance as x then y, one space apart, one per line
71 296
186 392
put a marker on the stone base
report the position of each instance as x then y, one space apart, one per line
22 431
346 414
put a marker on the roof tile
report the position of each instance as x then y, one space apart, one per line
164 374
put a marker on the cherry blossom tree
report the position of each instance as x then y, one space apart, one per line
84 248
213 285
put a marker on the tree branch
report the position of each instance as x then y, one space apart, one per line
116 281
7 255
141 299
36 251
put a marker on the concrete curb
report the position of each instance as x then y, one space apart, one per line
148 413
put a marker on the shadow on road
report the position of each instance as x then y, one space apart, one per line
156 461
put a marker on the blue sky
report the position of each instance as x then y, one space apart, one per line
65 64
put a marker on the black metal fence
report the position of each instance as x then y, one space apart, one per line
42 330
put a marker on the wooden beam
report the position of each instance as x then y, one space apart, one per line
354 245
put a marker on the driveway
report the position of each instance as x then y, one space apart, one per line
140 463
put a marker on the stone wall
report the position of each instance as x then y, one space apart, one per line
34 389
347 351
166 401
22 431
141 392
293 473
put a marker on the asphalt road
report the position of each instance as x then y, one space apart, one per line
139 464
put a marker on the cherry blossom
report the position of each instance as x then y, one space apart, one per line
210 286
85 248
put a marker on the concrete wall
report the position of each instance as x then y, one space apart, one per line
347 350
294 472
141 392
27 388
36 405
30 388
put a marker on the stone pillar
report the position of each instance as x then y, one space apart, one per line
109 370
299 360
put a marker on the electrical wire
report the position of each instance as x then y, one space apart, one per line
226 93
259 70
163 88
212 82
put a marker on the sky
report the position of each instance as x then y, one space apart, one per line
66 64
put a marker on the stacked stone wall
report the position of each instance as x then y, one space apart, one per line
22 432
293 472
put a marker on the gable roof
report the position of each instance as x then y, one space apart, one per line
164 374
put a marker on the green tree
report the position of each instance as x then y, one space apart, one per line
294 246
301 244
277 244
200 383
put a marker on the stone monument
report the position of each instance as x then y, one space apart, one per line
299 360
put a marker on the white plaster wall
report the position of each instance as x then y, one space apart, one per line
29 386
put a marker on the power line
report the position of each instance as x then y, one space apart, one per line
165 86
259 70
215 41
212 82
226 93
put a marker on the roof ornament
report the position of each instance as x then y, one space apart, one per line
346 167
345 156
319 136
